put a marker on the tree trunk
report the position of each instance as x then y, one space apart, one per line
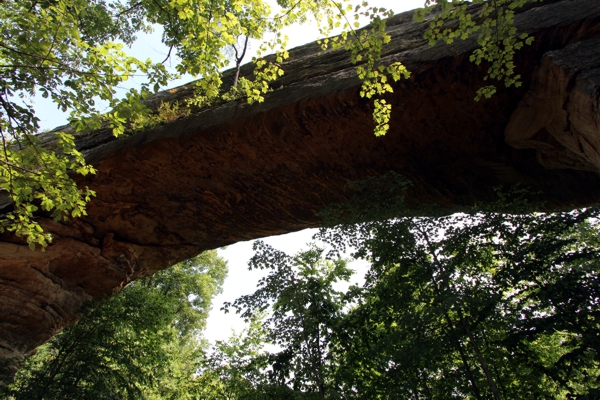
480 357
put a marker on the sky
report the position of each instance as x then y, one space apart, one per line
240 281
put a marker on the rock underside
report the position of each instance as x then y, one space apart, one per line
238 172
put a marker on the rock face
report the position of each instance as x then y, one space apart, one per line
560 115
239 172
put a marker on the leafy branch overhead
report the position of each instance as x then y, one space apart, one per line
74 52
493 26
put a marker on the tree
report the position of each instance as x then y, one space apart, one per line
141 343
484 305
303 309
73 52
235 368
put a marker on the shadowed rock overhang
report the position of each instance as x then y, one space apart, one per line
238 172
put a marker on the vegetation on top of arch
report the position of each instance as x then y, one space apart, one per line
74 53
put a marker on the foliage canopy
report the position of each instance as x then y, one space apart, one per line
478 306
481 305
142 343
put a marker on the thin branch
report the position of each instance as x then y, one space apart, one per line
238 61
33 4
352 31
168 54
136 5
11 192
15 166
65 66
279 17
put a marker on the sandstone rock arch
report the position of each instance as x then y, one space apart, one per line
237 172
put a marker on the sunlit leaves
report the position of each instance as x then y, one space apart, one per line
365 47
492 25
50 188
381 116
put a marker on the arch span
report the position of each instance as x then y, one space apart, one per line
237 172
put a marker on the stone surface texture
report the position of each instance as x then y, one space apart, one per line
560 116
238 172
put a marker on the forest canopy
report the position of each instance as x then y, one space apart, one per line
142 343
480 305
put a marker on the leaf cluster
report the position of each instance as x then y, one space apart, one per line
142 343
492 24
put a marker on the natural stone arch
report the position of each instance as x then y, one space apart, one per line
237 172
